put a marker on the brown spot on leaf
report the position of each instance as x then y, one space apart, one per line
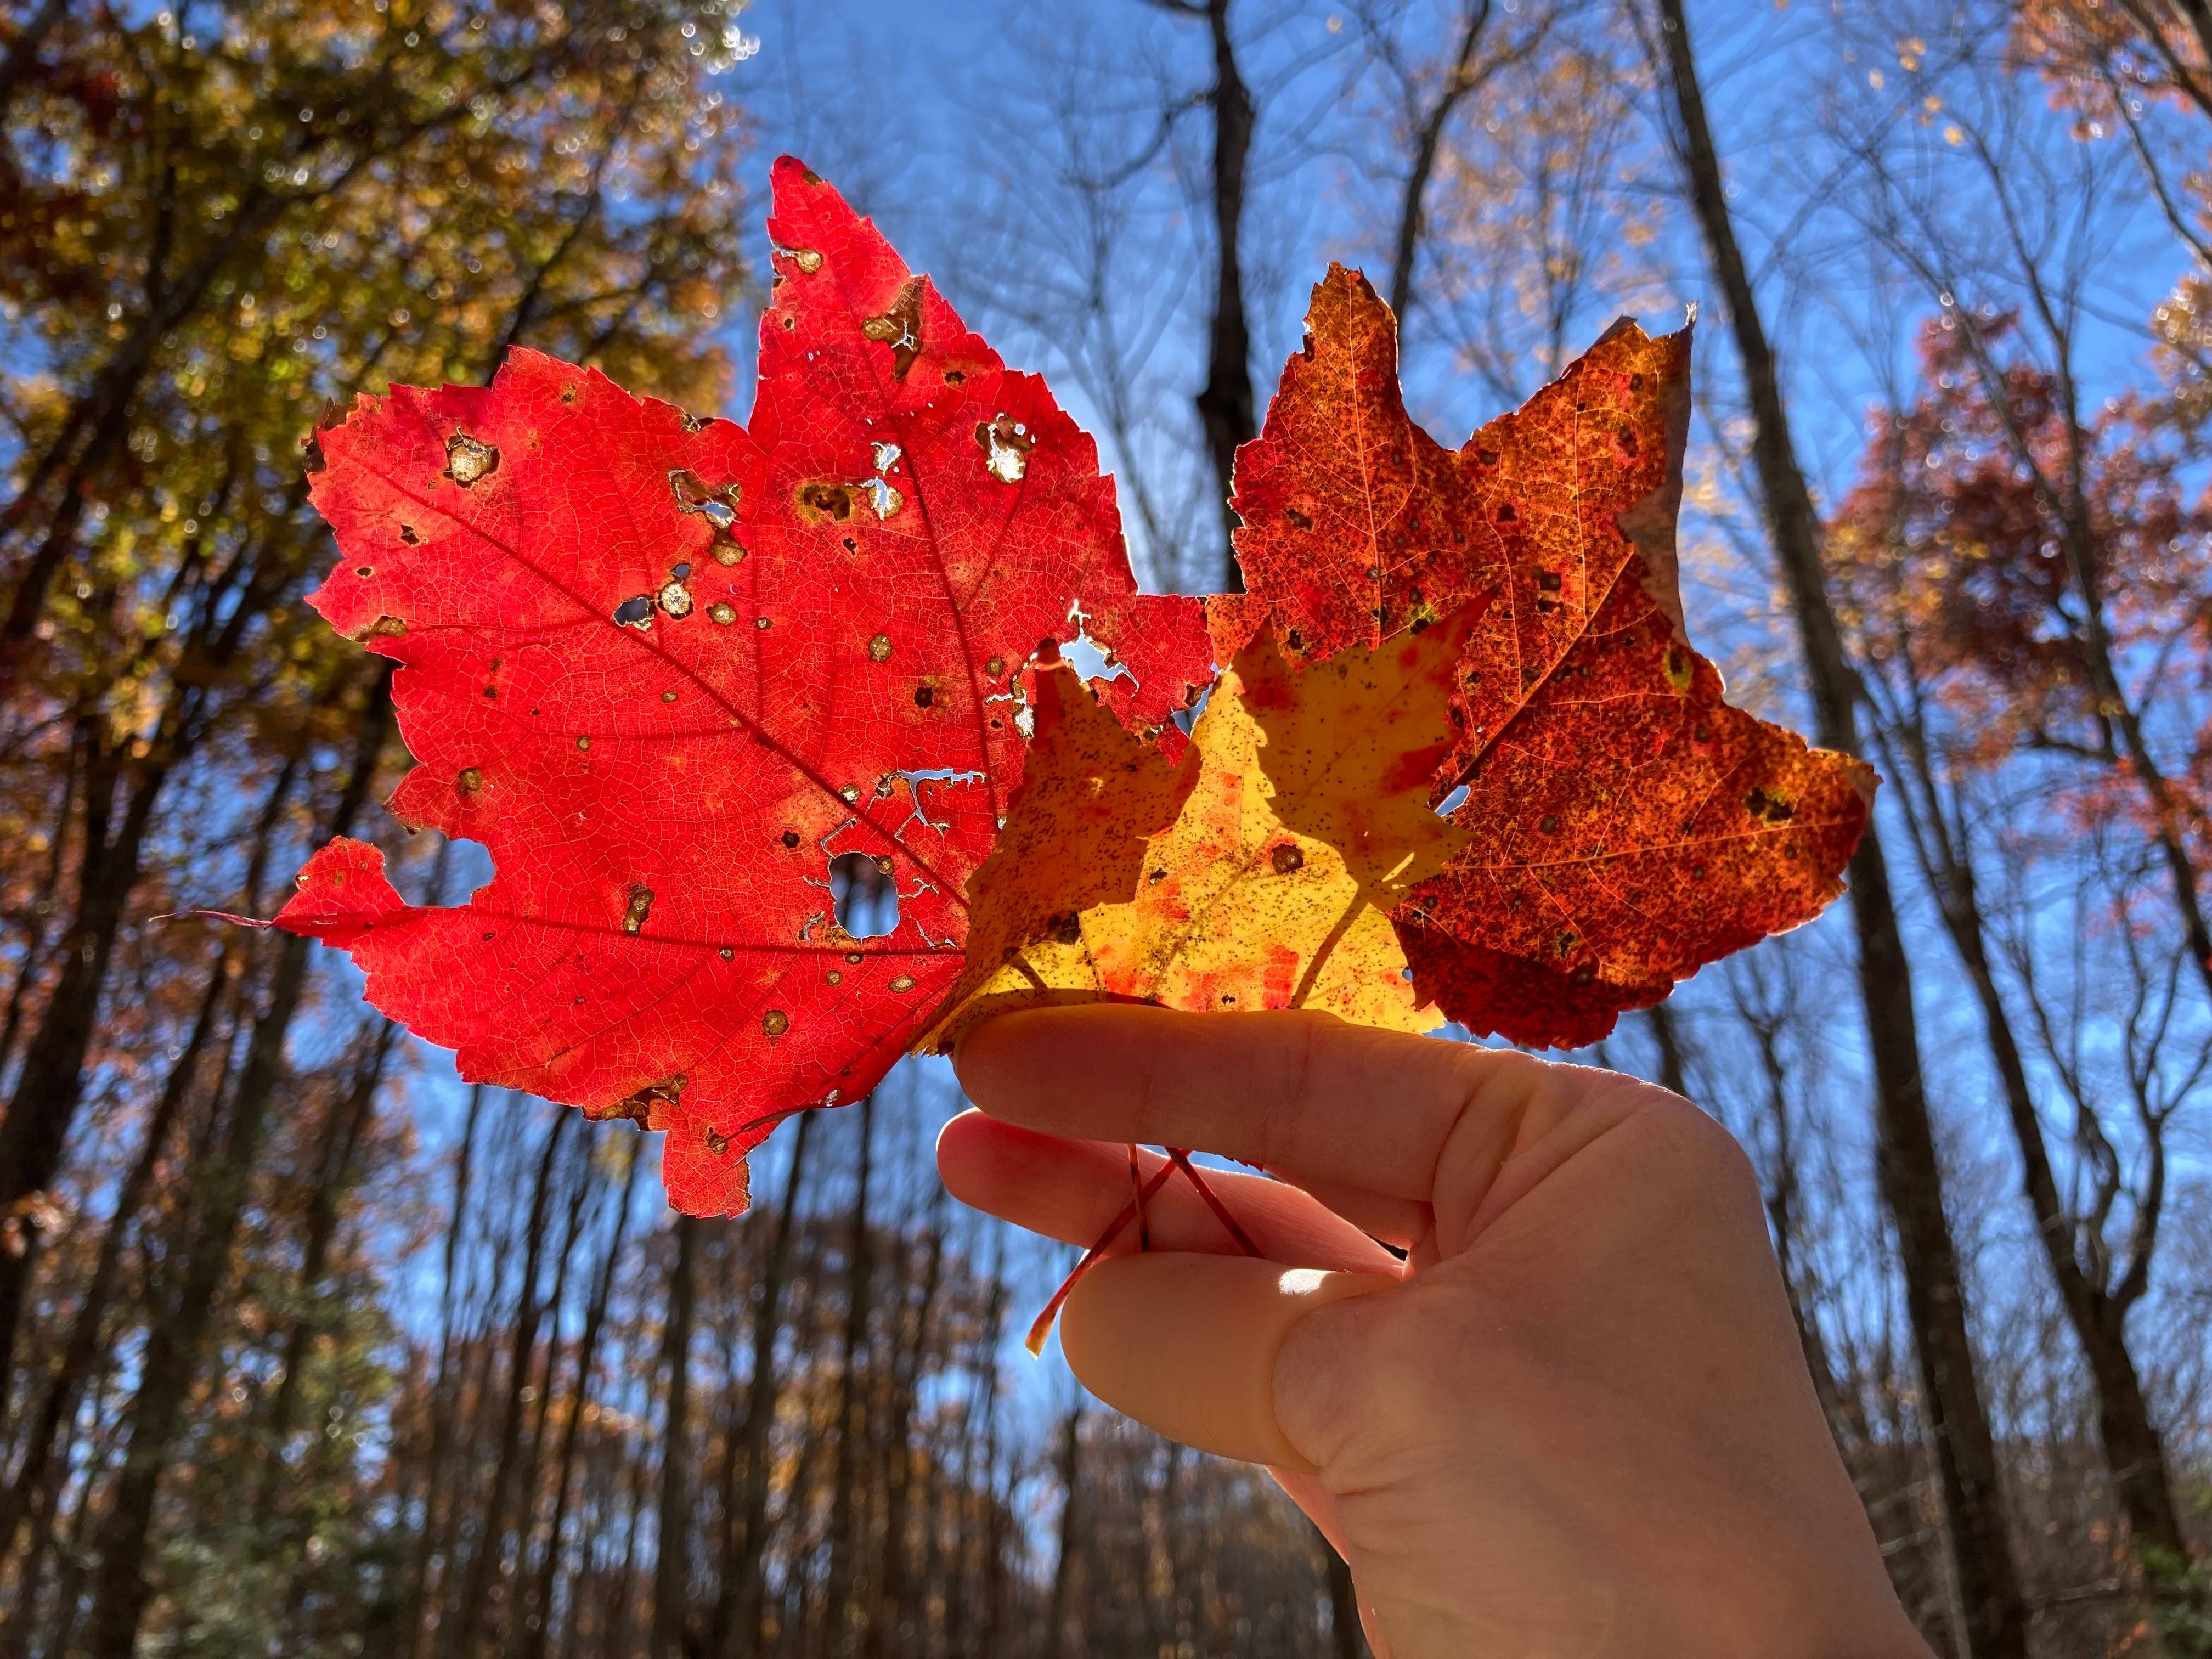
1006 443
640 1107
469 460
900 328
818 501
776 1022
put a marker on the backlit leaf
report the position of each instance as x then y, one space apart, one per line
1624 825
666 670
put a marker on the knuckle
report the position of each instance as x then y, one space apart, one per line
1706 1145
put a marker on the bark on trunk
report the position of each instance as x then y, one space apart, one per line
441 1395
1071 1513
349 1120
1225 406
1994 1612
2096 1310
906 1374
739 1616
1343 1606
51 1084
587 1349
671 1565
846 1586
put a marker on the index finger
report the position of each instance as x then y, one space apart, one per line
1302 1094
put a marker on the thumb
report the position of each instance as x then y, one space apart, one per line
1186 1343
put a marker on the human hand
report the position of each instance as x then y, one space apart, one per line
1575 1421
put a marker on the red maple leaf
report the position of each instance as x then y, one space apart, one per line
1627 826
667 669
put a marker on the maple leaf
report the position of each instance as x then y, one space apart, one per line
1308 824
1624 825
666 670
1091 797
1260 873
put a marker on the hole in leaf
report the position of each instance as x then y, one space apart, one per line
1186 718
1451 803
863 895
1089 658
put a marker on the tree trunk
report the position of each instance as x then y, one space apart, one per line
349 1120
1673 1065
742 1607
2097 1314
1225 407
170 1365
906 1373
1070 1514
32 1495
1343 1606
671 1566
51 1084
491 1541
848 1588
1428 137
442 1402
1995 1614
33 961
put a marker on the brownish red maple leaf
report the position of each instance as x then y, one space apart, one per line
1625 826
666 670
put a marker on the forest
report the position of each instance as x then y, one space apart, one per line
309 1347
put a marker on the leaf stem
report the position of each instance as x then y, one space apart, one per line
1042 1327
1181 1158
1134 1210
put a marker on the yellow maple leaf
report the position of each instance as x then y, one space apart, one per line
1311 818
1092 794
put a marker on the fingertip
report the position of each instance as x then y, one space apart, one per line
984 1052
955 1141
982 1161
